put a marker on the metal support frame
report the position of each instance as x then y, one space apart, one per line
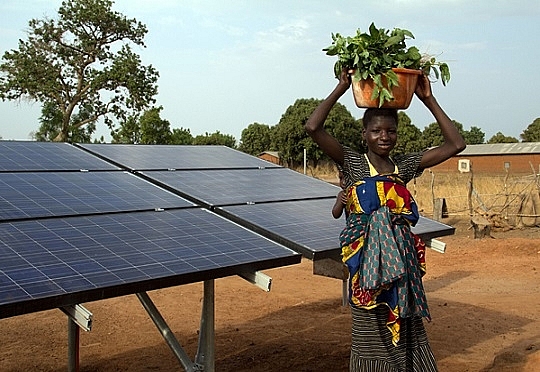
205 357
259 279
436 245
79 317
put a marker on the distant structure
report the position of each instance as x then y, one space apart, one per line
271 156
514 158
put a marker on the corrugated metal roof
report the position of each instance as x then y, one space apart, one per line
502 149
272 153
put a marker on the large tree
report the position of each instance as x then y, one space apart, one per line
255 139
290 137
532 133
82 59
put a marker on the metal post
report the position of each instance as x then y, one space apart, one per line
305 161
206 348
73 346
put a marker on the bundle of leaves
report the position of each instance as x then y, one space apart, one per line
373 54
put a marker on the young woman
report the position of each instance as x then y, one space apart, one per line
385 259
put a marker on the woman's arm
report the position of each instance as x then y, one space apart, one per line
453 141
315 124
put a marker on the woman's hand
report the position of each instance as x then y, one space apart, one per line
345 79
423 88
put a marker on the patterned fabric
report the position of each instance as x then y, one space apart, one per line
381 252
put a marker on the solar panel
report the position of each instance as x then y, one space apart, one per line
308 226
163 157
46 194
241 186
57 262
40 156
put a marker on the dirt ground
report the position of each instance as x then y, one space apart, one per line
484 297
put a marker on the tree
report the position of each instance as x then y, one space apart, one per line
474 136
532 133
129 131
501 138
81 60
181 136
432 135
290 137
51 125
215 138
154 129
255 139
409 136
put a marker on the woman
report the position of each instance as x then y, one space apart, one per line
384 258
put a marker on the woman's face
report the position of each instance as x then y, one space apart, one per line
381 135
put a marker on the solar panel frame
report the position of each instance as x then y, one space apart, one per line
53 194
52 263
179 157
47 156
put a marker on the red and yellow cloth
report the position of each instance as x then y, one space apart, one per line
386 261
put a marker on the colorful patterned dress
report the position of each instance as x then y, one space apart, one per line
386 262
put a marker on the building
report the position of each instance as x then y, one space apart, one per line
514 158
271 156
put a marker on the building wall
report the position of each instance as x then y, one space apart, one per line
270 158
517 164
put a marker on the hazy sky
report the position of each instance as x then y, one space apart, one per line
225 64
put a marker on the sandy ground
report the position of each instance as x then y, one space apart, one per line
484 296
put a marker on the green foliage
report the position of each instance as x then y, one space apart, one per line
373 54
290 137
532 132
432 135
215 138
255 139
51 120
128 132
181 136
409 136
154 129
474 136
72 63
501 138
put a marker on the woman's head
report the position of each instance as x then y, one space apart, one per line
372 113
380 130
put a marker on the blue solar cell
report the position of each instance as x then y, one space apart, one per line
241 186
40 156
44 194
156 253
145 157
308 226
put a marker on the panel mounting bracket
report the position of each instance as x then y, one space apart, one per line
80 315
258 278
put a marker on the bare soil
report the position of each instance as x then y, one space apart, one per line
484 296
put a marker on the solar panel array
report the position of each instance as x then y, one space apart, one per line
277 202
76 228
85 222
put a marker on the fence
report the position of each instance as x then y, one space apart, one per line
506 201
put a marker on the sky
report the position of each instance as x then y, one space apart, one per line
225 64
